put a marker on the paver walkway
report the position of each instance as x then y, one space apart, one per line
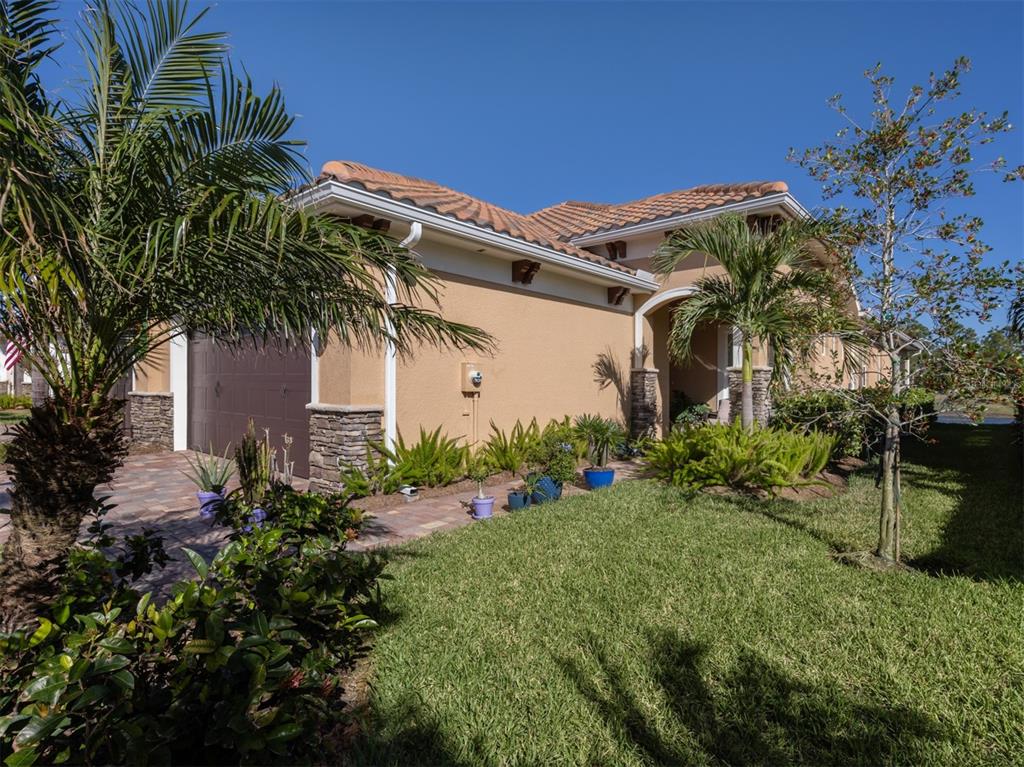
151 491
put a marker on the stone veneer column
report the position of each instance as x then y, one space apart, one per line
643 402
151 418
762 393
339 432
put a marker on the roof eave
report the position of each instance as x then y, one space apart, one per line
783 199
326 190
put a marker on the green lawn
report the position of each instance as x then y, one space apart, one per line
637 626
13 416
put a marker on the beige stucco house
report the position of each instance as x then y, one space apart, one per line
579 320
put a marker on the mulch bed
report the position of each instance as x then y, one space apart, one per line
390 500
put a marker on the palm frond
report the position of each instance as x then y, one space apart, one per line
168 58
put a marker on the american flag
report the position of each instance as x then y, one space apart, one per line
12 355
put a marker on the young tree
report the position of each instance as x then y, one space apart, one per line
771 291
153 204
914 258
1016 315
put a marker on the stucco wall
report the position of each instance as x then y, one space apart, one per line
154 374
351 376
543 367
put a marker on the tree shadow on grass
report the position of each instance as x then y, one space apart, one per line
982 537
753 713
413 736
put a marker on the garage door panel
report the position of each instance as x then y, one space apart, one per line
227 389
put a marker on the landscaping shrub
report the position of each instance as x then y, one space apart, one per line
15 402
720 454
556 453
240 666
824 411
435 461
601 437
847 415
508 452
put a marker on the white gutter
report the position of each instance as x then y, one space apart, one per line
391 353
329 189
785 199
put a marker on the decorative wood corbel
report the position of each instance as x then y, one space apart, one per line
617 295
523 271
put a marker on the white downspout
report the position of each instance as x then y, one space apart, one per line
390 353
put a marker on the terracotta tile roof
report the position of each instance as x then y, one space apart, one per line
448 202
574 219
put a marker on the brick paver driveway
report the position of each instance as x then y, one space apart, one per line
151 491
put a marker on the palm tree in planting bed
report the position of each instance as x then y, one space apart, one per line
155 204
771 292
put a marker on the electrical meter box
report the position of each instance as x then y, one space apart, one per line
472 377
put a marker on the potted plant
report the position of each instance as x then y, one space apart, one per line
601 435
483 505
520 499
211 474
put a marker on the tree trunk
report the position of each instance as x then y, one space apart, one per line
748 385
889 527
57 459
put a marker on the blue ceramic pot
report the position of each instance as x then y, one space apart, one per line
596 478
518 500
547 490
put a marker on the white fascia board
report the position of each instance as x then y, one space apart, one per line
783 199
328 190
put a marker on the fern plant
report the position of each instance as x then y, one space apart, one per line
720 454
434 461
508 452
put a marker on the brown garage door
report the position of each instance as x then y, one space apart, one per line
228 387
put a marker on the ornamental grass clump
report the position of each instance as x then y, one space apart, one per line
758 459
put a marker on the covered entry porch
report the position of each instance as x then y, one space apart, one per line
662 386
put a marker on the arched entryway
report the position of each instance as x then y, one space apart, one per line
662 385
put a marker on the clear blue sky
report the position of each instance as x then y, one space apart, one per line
529 104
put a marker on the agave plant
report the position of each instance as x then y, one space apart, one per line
508 452
209 471
149 203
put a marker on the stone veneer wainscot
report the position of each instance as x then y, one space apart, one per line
339 432
760 385
643 402
151 416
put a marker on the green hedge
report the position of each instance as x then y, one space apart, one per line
846 416
15 402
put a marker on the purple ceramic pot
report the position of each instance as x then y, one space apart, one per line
483 508
208 502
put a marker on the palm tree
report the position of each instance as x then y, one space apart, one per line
153 204
770 293
1017 315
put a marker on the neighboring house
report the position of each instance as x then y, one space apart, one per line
581 325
